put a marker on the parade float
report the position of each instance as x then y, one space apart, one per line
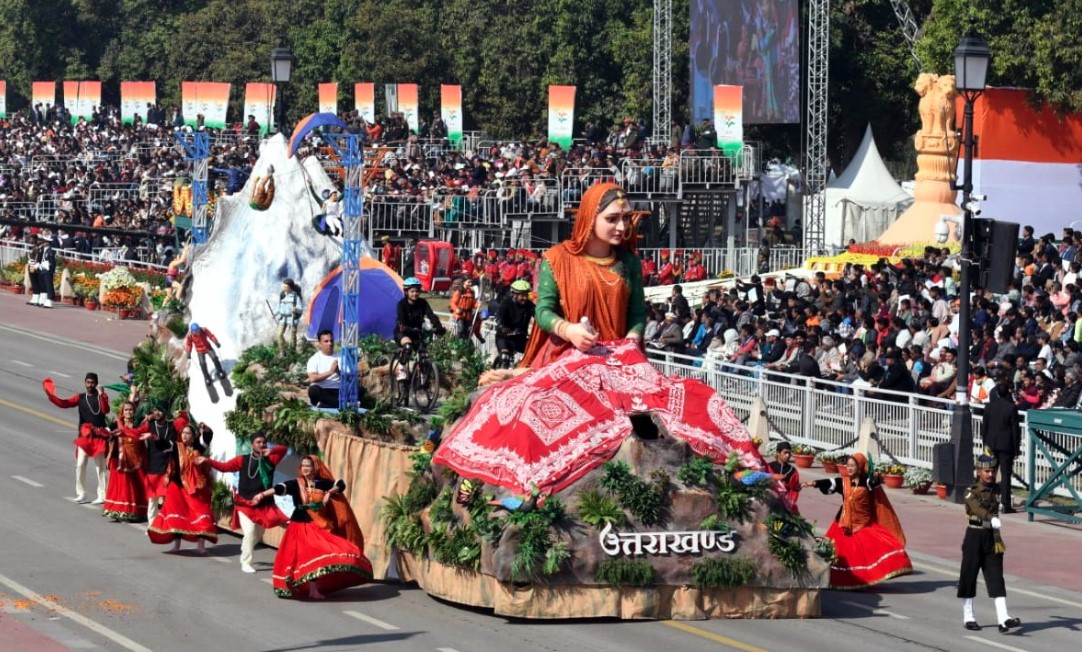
656 526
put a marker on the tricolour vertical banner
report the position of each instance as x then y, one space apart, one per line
134 98
43 93
364 100
259 100
451 111
81 98
328 98
209 99
562 115
3 99
729 118
407 104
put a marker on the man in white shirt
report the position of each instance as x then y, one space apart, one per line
323 373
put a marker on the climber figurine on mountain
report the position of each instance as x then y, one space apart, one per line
201 339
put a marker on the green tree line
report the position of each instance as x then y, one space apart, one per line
505 53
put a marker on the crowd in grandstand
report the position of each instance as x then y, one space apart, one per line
895 327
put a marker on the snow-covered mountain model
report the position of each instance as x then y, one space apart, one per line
241 266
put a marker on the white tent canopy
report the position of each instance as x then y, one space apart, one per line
865 199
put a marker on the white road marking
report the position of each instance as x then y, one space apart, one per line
36 485
61 341
1034 594
988 641
876 612
59 373
267 580
220 560
446 649
97 628
20 362
370 620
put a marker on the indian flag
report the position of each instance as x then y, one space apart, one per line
1028 162
3 99
562 115
259 100
407 104
209 99
328 98
364 100
134 98
81 98
451 111
43 93
729 118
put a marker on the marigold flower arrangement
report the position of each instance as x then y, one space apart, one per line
123 297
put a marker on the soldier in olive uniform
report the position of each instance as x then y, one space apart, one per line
982 548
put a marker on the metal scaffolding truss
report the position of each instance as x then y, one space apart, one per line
910 30
348 149
196 146
662 69
816 163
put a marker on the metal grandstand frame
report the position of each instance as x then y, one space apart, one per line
662 70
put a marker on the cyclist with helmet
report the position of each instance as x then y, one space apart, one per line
513 324
412 312
201 339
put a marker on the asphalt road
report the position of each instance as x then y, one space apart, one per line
70 580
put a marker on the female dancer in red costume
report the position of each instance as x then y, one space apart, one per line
311 560
186 513
125 494
868 538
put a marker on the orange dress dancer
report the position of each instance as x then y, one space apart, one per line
868 539
187 513
323 548
125 495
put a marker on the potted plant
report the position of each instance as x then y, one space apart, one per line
893 475
803 455
124 300
918 480
829 461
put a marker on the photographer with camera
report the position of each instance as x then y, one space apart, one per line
513 324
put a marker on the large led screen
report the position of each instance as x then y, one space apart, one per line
751 43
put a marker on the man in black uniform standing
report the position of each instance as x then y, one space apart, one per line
42 270
982 548
1003 436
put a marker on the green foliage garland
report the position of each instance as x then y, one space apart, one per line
597 509
625 572
723 572
645 500
782 527
697 472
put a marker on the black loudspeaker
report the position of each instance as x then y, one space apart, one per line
943 463
995 246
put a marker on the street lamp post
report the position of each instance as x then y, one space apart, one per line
970 70
281 68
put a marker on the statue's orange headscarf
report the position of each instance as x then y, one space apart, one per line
586 289
586 216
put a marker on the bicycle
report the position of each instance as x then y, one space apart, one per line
422 378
